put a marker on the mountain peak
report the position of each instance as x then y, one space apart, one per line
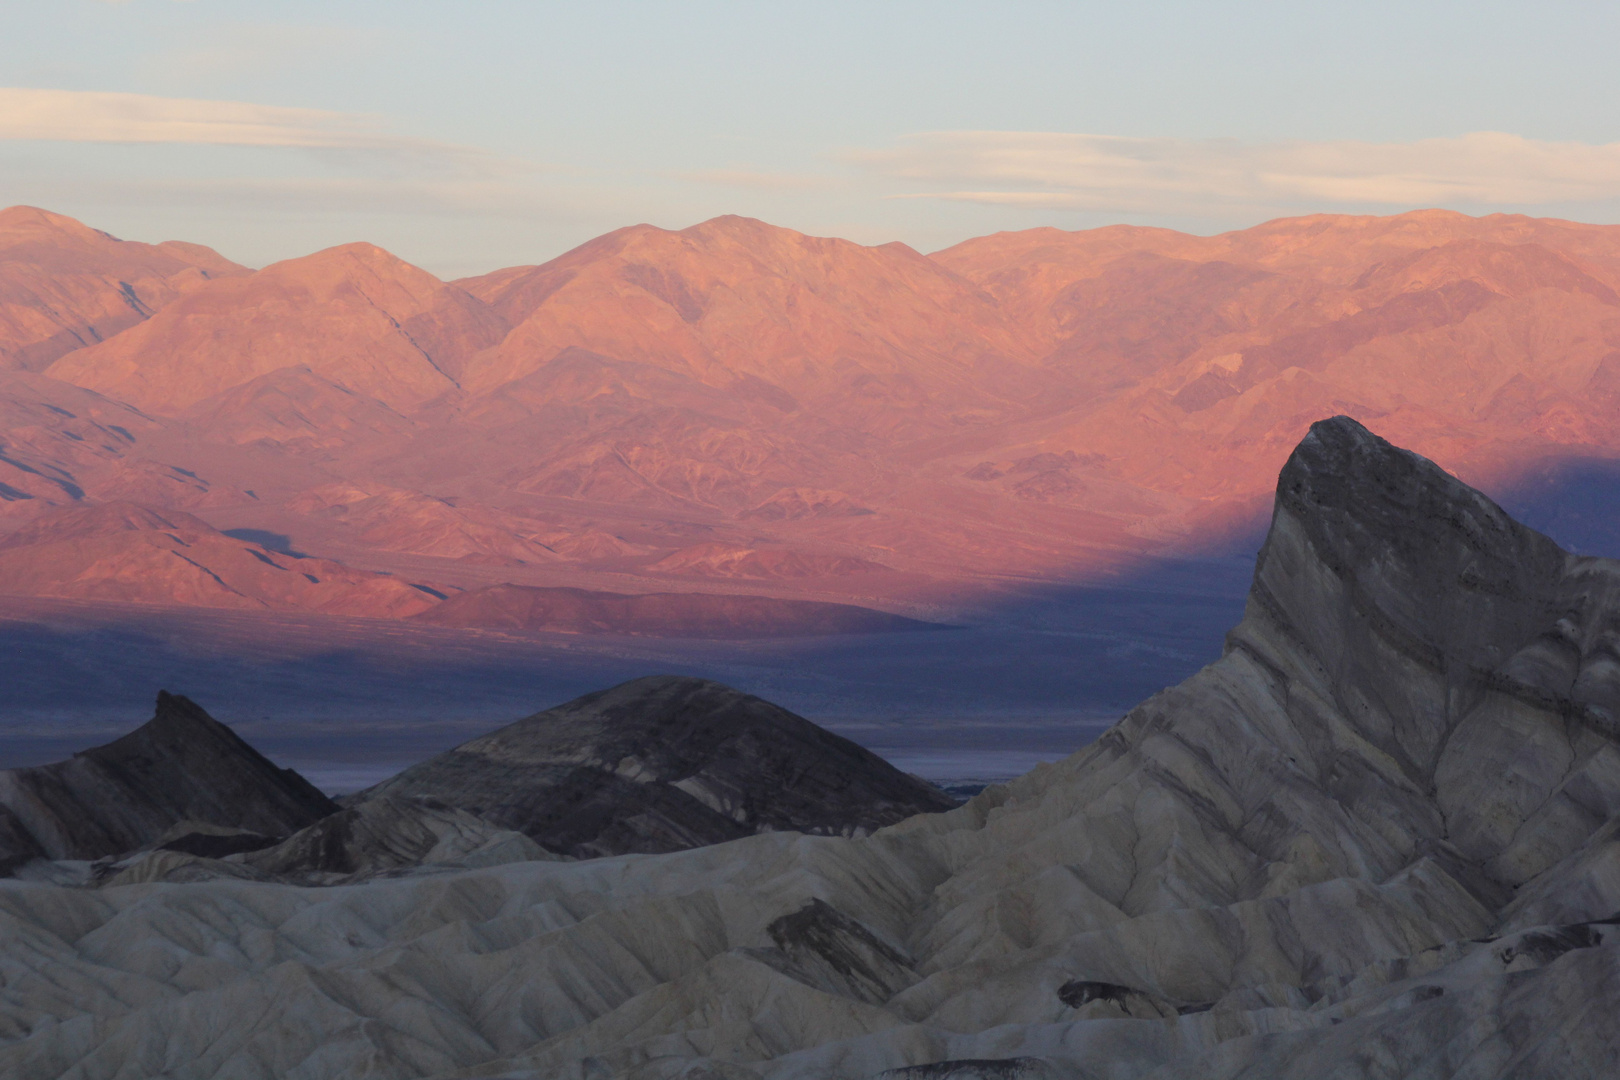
181 765
33 219
344 260
665 762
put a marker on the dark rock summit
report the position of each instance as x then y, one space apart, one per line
1422 678
664 763
180 766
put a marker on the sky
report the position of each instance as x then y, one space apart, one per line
478 134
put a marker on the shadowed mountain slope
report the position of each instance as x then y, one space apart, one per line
182 765
685 614
1376 839
665 763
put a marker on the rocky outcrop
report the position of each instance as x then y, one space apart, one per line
385 834
664 763
1376 839
180 766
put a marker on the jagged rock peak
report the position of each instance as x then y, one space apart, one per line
180 766
1359 491
1365 534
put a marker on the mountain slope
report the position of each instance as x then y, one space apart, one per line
354 315
180 766
881 331
664 763
668 614
1042 405
64 286
138 554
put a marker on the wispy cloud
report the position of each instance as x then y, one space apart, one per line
336 195
1181 176
94 117
757 180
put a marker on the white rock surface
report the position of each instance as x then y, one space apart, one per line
1377 839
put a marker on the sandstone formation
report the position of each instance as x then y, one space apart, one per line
688 614
1378 838
664 763
180 766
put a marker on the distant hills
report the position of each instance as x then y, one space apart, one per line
737 405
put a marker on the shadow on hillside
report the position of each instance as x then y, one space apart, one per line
1037 673
270 541
348 701
1575 500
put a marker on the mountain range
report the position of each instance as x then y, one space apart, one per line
739 408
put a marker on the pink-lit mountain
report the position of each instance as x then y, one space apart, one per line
738 407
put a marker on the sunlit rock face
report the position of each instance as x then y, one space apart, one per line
1377 838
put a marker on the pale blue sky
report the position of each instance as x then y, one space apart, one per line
467 136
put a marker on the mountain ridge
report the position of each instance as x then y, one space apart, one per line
1039 405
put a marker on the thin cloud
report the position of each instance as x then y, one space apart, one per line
94 117
1118 174
756 180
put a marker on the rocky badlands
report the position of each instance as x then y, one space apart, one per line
1376 838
